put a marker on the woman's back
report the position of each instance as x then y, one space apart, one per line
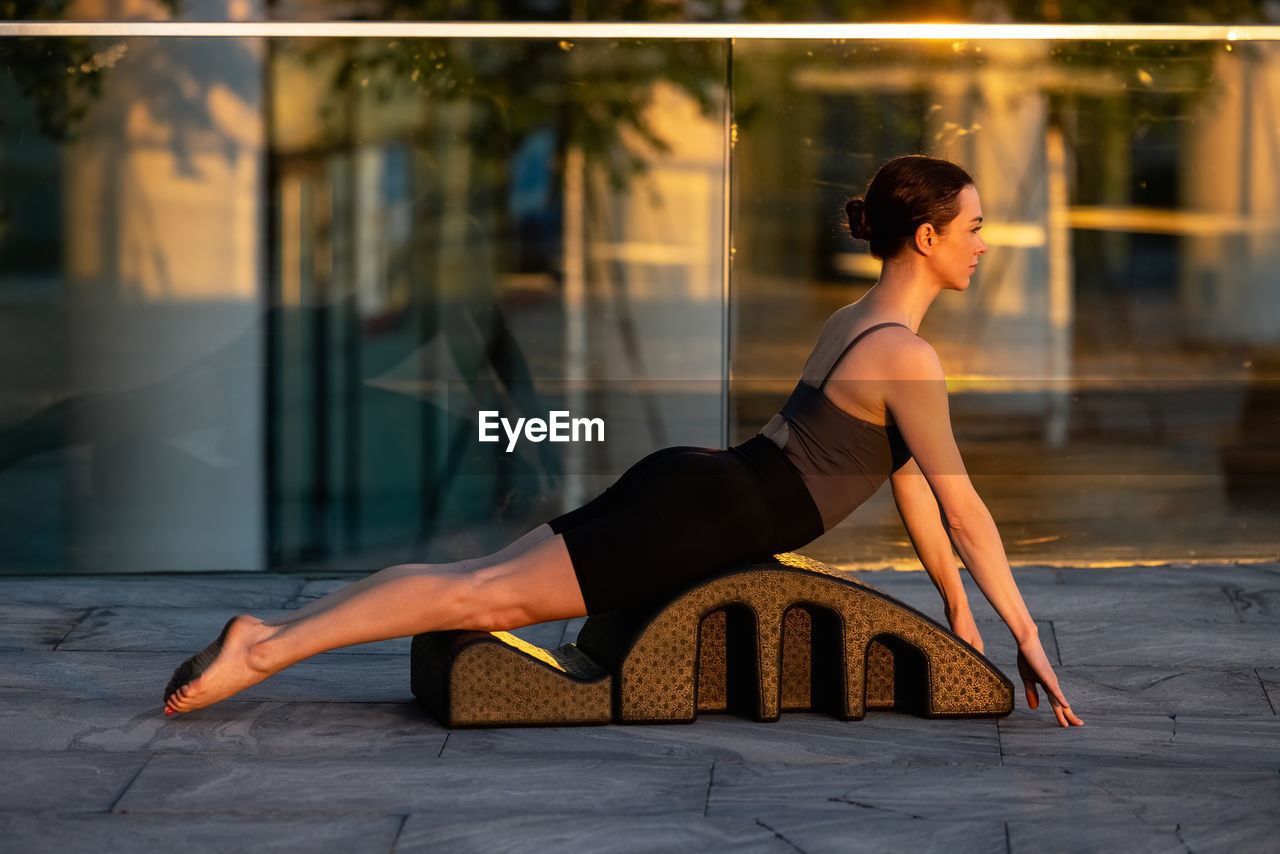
853 375
833 428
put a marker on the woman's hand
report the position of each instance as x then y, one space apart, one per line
1034 668
963 626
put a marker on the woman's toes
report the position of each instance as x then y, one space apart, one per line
178 700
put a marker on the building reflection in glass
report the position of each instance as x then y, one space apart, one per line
273 311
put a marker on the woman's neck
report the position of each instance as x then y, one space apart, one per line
902 294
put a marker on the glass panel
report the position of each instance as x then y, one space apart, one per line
256 294
132 282
1114 365
510 227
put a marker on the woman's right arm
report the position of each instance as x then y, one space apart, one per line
916 396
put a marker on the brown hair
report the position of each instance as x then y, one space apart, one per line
906 193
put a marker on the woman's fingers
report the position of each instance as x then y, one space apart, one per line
1065 716
1033 699
1061 708
1044 676
1029 680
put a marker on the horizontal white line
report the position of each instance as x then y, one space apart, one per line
571 30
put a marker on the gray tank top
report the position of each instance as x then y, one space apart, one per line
842 459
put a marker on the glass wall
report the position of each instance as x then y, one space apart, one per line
259 296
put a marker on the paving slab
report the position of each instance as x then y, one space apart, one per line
369 730
124 676
853 829
185 631
1247 576
1032 792
1226 691
74 782
479 788
94 833
586 834
1132 604
1193 795
1090 837
1198 598
1257 836
372 731
139 678
1257 605
797 737
31 722
244 591
1146 740
890 789
1269 677
36 626
1172 644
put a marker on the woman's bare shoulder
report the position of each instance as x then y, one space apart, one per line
891 352
841 320
907 355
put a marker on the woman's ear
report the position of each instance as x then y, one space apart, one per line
926 237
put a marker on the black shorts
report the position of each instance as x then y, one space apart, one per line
682 513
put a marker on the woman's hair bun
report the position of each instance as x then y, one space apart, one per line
856 211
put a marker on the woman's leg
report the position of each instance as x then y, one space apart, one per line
324 603
530 586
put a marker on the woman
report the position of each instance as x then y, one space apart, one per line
871 404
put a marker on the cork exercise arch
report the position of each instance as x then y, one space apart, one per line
783 634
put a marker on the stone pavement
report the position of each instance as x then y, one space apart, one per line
1176 671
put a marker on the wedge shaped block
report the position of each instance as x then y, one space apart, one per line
495 679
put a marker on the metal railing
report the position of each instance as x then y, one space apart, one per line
633 30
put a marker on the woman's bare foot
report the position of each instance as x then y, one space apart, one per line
225 667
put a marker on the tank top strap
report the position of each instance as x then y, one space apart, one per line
864 333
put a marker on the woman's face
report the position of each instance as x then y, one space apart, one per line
955 257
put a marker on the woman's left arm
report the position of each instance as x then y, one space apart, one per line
923 521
